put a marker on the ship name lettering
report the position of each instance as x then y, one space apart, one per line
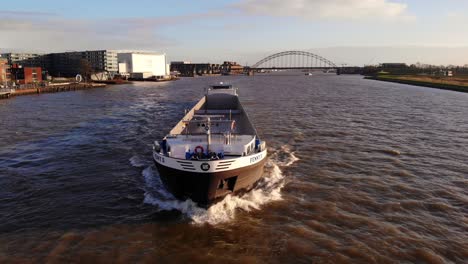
160 159
256 158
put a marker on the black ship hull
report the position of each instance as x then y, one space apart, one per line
207 188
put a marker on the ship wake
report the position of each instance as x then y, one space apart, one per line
267 190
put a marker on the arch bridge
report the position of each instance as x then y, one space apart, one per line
288 60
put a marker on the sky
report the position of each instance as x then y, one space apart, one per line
352 32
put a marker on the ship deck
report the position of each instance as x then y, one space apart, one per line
188 143
217 123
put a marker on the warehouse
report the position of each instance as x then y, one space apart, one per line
143 65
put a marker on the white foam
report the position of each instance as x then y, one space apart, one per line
149 176
154 188
286 157
267 190
136 161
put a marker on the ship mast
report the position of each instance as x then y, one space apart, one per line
208 134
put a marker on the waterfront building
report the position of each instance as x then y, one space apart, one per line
26 75
142 65
181 62
26 59
65 64
69 64
192 69
103 60
444 72
4 71
232 67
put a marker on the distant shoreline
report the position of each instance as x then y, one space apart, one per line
418 82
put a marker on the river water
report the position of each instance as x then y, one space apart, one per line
358 171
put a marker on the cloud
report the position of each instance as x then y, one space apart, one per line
10 13
41 31
408 54
44 32
456 16
327 9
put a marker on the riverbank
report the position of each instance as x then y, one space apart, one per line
115 81
54 89
459 84
171 78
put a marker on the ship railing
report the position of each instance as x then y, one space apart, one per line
217 112
6 90
225 89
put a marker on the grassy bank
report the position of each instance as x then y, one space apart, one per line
459 84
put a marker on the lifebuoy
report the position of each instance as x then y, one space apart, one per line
197 148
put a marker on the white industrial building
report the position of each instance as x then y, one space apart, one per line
143 64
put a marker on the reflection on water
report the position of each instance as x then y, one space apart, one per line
358 171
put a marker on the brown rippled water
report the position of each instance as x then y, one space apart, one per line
360 171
